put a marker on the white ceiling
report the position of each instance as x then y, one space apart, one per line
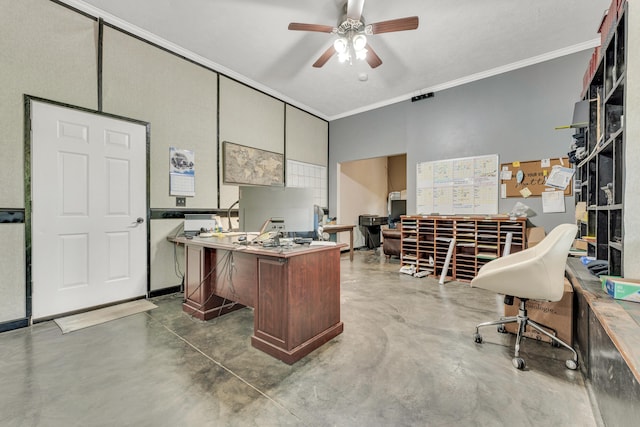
457 41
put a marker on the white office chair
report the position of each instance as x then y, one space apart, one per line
534 273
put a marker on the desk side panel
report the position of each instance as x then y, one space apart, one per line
270 315
313 294
195 275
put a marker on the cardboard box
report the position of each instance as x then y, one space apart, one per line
603 281
557 316
624 289
534 236
580 245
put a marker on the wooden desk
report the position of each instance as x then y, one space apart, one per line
335 228
295 292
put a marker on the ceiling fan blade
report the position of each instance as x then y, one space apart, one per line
325 57
296 26
354 9
372 58
400 24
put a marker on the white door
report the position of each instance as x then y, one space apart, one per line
89 236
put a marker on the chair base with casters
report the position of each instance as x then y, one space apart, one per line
523 321
536 273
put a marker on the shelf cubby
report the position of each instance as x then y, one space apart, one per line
601 173
478 240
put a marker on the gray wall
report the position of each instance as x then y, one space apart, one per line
512 114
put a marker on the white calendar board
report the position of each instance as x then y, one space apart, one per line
458 186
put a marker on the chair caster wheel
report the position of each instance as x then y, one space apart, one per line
571 364
501 329
518 363
477 338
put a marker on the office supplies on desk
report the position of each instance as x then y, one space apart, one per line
598 267
321 243
195 223
303 240
587 259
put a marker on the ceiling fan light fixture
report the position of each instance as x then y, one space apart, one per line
359 42
341 45
352 34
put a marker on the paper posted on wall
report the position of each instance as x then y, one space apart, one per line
553 201
559 177
181 172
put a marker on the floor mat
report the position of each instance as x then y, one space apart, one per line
102 315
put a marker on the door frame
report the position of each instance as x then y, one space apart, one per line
28 99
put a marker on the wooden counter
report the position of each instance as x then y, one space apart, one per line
295 292
607 339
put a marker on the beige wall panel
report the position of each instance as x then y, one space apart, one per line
250 118
362 189
167 259
47 51
307 137
12 265
179 100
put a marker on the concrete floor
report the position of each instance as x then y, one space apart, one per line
406 358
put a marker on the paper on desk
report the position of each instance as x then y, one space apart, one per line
322 243
559 177
553 201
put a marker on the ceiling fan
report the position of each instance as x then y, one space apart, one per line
352 34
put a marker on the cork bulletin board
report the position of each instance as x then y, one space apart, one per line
534 173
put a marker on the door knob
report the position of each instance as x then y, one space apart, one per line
140 220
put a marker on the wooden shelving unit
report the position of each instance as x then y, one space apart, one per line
478 239
601 173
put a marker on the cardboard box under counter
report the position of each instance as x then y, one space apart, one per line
555 315
534 236
580 245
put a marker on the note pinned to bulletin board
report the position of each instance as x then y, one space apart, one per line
527 179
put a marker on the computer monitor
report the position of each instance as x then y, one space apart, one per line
292 205
398 207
